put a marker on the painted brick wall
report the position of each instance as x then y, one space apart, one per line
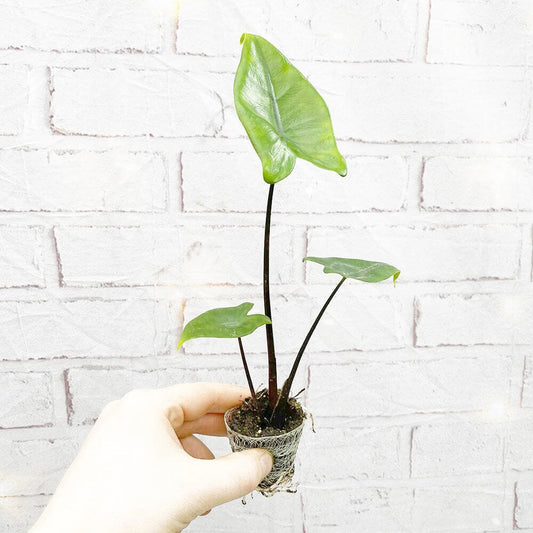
130 201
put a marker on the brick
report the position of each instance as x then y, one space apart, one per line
450 253
524 510
378 455
372 509
406 387
21 261
527 390
123 102
478 184
83 328
479 32
258 515
520 456
113 180
19 514
373 184
350 323
31 467
162 255
354 31
118 256
422 109
456 448
13 98
90 389
25 399
474 319
81 26
234 255
460 508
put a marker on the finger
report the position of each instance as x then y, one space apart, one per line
209 424
232 476
190 401
195 447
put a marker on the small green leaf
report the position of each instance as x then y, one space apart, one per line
223 322
369 271
282 112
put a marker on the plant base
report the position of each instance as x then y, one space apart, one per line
281 443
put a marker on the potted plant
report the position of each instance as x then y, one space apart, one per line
285 119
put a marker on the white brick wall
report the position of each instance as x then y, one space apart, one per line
119 102
83 328
443 508
459 508
157 255
19 514
405 387
13 98
480 32
32 467
457 448
130 201
381 509
474 319
21 261
378 456
381 185
25 399
520 450
92 26
477 184
422 108
77 181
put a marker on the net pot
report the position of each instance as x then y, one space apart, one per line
282 447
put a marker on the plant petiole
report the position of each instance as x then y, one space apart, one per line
247 372
272 368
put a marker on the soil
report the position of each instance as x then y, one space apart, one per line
251 421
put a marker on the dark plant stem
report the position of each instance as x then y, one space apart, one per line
278 416
272 368
247 372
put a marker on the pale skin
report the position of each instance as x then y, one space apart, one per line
142 469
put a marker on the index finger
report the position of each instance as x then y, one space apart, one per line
190 401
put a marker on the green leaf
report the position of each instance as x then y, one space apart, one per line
223 322
369 271
282 112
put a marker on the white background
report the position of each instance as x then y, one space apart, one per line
130 201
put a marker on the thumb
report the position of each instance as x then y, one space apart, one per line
234 475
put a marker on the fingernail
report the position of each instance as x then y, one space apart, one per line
266 460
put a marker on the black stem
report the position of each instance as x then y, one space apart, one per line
272 368
247 372
279 411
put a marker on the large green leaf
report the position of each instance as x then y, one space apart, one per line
369 271
223 322
282 112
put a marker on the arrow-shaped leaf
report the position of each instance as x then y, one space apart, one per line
223 322
369 271
282 112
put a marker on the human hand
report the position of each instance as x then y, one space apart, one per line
142 470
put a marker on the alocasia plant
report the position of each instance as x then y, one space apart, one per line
285 119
